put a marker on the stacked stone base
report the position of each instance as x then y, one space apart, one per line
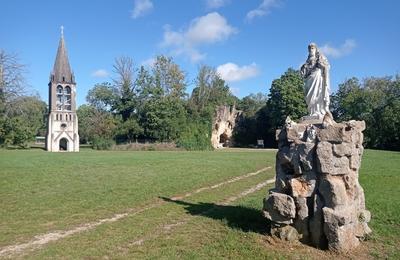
317 197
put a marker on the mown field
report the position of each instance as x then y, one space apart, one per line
118 205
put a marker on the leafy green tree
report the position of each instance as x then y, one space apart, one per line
347 103
252 103
24 117
129 130
246 132
286 98
85 112
168 77
12 87
161 104
102 96
195 135
376 101
163 118
95 124
210 92
146 87
124 82
17 131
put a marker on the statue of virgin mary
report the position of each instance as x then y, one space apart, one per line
315 72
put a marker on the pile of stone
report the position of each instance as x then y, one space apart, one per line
317 197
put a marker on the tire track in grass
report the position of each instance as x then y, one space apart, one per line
168 228
238 178
43 239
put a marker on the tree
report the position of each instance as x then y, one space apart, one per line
95 124
377 102
286 98
12 78
125 87
161 93
252 103
21 116
16 131
23 119
163 118
146 87
210 92
169 77
102 96
129 130
246 132
201 94
347 103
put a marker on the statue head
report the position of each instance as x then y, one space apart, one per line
312 49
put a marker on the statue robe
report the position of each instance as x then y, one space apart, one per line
317 87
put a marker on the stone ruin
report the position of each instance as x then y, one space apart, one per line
223 125
317 198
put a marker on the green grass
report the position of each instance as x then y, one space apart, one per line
42 192
380 178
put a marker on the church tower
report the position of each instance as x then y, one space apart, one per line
62 123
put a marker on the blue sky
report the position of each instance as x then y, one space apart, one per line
250 42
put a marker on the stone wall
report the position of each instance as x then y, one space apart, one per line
317 197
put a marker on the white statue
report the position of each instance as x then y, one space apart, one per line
315 71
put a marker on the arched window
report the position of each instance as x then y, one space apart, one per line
59 101
63 101
67 98
57 117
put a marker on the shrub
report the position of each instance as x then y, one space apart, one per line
195 136
101 143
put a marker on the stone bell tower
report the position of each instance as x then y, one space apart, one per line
62 123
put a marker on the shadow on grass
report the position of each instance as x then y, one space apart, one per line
236 217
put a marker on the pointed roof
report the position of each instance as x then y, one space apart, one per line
62 71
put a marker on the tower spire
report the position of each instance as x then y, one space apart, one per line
62 71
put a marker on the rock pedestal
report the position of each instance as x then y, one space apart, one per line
317 197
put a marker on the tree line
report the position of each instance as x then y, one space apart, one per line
152 104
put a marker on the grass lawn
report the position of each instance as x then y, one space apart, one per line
44 192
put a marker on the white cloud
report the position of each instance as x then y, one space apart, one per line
100 73
203 30
263 9
141 8
214 4
337 52
232 72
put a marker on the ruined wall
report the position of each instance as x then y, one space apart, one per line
223 125
317 197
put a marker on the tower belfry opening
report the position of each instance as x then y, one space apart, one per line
62 123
